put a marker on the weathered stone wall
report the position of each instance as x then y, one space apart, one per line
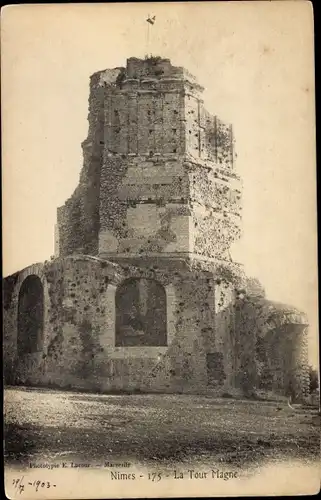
215 198
144 207
207 137
79 343
271 347
144 120
284 362
9 310
225 328
215 339
162 206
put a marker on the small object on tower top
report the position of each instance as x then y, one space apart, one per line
151 20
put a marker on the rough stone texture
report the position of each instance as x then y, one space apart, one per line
142 293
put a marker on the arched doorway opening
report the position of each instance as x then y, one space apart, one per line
30 316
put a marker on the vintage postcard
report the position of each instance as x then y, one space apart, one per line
160 250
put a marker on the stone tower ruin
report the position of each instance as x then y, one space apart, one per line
143 293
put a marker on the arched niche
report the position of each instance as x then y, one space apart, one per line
141 313
30 316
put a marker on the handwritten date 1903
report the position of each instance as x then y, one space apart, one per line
20 485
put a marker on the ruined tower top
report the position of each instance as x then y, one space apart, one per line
152 107
143 71
159 177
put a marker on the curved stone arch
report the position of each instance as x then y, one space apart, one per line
30 320
38 271
272 315
287 322
286 318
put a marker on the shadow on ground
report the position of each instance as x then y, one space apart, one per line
168 428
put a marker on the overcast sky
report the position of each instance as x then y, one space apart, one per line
255 60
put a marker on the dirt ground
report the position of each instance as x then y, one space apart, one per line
56 425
